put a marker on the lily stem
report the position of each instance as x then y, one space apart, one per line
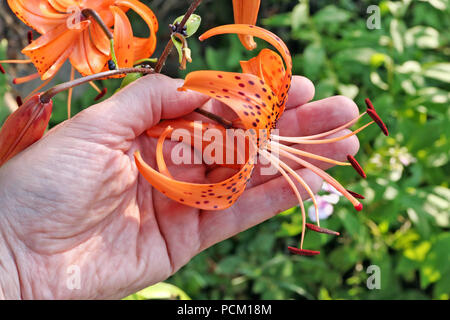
49 94
169 45
91 13
168 49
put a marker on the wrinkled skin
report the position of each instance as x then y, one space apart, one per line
75 198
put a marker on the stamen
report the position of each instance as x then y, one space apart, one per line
356 166
19 101
369 104
2 70
16 61
93 85
373 114
101 94
302 182
356 195
344 126
315 228
303 252
275 162
69 95
358 206
26 78
310 155
300 140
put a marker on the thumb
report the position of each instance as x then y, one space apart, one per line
143 104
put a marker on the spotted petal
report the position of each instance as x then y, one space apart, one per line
38 14
268 36
268 66
215 196
51 50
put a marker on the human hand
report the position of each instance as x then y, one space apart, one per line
76 198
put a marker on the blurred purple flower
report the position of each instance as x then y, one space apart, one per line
325 203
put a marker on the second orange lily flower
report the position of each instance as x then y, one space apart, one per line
69 34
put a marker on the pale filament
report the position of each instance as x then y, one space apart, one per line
300 140
301 181
273 160
344 126
323 175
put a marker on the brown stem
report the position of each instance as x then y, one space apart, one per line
169 45
49 94
91 13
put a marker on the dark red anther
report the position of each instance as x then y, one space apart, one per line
356 195
356 166
101 94
19 100
2 70
30 36
369 104
303 252
316 228
375 117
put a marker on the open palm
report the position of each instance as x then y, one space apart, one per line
75 202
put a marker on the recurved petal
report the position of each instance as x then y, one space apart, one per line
85 57
188 132
216 196
246 12
268 36
268 66
37 14
100 39
49 51
144 11
144 47
123 38
250 97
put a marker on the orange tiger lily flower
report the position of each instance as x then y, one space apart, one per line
69 34
258 97
246 12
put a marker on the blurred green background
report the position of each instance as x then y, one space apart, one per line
404 67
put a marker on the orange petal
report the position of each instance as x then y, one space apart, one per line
193 129
49 51
99 38
37 14
268 36
144 11
85 57
162 167
216 196
144 47
268 66
249 96
123 38
246 12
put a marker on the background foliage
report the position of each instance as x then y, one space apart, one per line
404 67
